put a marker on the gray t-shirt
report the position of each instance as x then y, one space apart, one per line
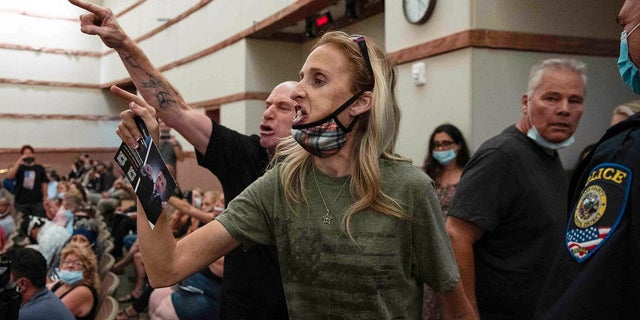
517 193
326 274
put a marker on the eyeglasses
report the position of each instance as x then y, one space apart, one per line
360 40
443 144
76 264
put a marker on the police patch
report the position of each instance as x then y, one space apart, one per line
598 210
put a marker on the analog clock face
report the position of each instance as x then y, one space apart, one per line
418 11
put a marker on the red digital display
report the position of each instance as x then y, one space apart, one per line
322 20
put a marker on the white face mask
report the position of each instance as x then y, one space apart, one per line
541 141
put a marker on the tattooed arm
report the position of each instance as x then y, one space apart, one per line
156 90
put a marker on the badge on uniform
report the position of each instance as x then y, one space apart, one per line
599 210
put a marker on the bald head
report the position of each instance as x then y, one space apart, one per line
278 115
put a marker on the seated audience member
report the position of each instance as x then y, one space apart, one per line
7 220
71 202
123 223
9 184
62 188
77 186
52 186
624 111
51 208
47 237
198 296
79 282
85 235
103 179
113 197
28 272
80 167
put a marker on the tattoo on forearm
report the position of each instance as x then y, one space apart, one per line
163 94
132 62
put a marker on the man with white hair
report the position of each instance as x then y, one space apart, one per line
508 213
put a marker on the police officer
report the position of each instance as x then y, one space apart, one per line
597 274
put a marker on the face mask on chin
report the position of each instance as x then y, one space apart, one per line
628 70
325 137
541 141
534 135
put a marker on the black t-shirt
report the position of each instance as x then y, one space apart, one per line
252 285
516 192
29 180
600 278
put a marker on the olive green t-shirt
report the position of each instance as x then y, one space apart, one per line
328 276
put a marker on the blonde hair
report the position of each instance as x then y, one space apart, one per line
628 108
89 263
374 136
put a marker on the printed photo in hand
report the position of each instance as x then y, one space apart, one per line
148 174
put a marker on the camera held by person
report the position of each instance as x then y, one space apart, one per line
10 297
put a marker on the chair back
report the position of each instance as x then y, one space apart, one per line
106 262
108 286
108 309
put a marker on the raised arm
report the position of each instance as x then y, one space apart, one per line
168 261
152 85
463 235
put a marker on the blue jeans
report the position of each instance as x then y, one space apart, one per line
197 297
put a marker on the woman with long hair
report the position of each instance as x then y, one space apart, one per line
447 154
446 157
358 229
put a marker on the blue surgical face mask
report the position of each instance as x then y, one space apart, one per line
197 202
535 136
444 157
70 277
626 67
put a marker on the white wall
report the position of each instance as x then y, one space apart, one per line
62 34
448 17
445 98
580 18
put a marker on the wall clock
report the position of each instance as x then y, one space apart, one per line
418 11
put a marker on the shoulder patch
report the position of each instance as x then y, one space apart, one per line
598 211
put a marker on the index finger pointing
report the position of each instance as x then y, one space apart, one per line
126 95
85 5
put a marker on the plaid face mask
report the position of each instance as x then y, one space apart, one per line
325 137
